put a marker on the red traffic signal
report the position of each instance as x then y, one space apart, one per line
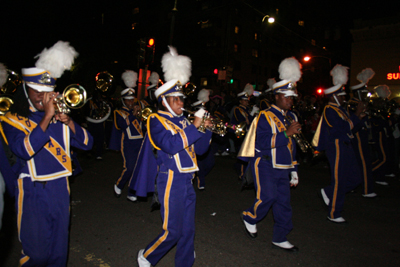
215 71
319 91
150 42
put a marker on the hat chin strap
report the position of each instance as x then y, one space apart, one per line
337 102
169 108
27 97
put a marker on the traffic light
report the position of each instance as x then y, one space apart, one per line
319 91
150 49
142 50
215 71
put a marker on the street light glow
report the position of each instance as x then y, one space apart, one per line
270 19
307 58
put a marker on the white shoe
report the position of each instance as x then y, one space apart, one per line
99 158
337 220
370 195
117 190
224 153
217 154
132 198
286 246
390 175
324 197
142 260
381 182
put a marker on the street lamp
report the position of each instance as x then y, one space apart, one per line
308 58
270 19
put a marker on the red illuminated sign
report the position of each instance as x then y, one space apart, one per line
393 76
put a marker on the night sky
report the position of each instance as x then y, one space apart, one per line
29 26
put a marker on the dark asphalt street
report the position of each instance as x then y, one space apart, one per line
108 231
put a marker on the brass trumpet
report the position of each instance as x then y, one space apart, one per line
73 97
218 126
144 114
300 139
5 104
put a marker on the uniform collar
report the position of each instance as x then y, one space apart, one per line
279 109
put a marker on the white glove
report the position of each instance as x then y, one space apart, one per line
295 179
254 110
200 113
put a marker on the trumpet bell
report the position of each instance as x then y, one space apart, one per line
5 104
73 97
103 81
145 113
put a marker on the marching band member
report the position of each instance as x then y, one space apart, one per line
219 143
334 135
41 139
128 132
242 113
361 134
154 80
171 144
206 161
380 131
98 109
271 151
266 102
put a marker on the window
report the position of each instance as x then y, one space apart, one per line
301 23
255 36
254 52
237 29
237 48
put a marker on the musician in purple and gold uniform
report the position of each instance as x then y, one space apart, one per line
130 138
169 151
41 139
334 136
271 152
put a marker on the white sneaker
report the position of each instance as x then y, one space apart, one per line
285 245
381 182
390 175
217 154
337 220
142 260
99 158
324 197
370 195
224 153
132 198
117 190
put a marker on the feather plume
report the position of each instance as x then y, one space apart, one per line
176 66
339 74
3 74
203 95
270 82
57 58
383 91
248 89
154 77
290 70
365 75
129 77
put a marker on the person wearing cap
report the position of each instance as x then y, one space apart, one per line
267 101
41 139
154 81
243 113
381 132
167 158
130 136
219 143
171 144
334 136
206 161
272 152
361 133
